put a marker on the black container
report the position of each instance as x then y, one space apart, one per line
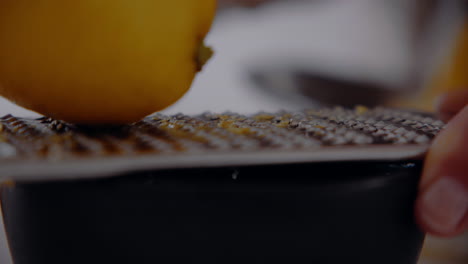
343 212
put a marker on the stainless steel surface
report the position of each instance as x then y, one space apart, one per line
46 149
112 166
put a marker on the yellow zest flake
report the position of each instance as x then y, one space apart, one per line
225 124
360 109
283 124
231 127
264 117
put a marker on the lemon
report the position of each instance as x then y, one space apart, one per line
101 62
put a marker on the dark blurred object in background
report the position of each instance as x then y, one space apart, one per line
322 90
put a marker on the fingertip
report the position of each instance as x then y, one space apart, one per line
442 205
447 155
442 208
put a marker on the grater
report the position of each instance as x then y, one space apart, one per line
334 185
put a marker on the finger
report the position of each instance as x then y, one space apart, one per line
442 206
450 104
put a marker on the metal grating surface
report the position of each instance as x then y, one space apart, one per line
313 131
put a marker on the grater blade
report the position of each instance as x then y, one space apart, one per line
47 149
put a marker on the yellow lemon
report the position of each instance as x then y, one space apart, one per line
101 61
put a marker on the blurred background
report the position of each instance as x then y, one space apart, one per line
296 54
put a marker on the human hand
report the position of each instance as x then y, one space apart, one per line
442 206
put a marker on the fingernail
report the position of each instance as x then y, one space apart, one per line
444 205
